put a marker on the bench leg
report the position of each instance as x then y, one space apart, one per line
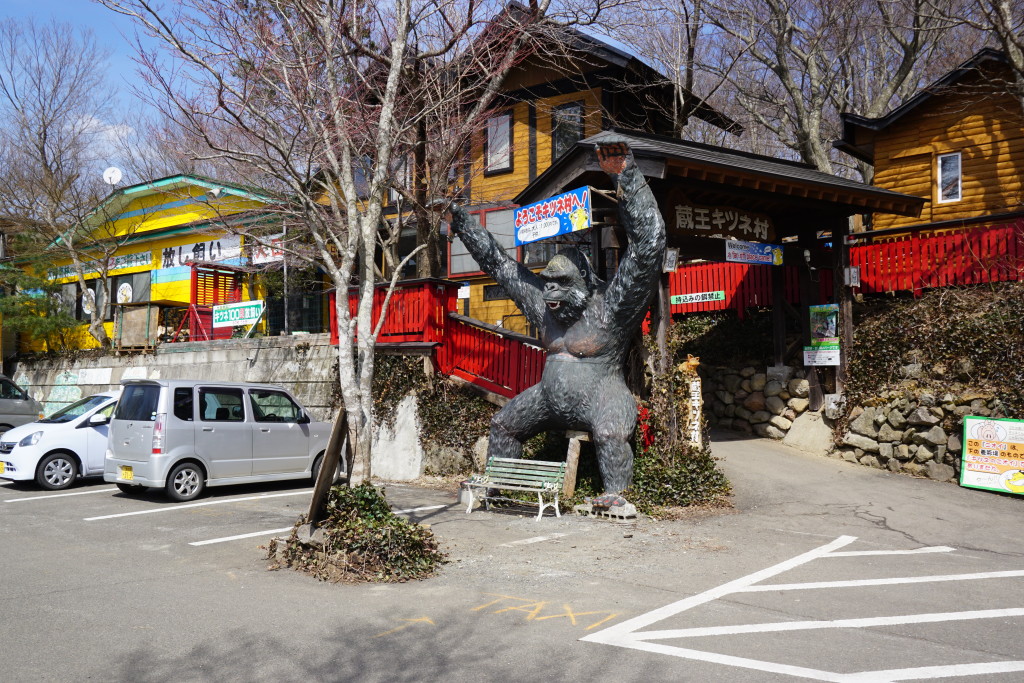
540 502
558 513
469 508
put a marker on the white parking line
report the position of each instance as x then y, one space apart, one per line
59 495
195 505
268 532
629 634
271 532
528 541
879 582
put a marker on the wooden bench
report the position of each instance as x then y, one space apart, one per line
508 474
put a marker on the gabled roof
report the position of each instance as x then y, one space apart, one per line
854 125
575 39
727 167
115 203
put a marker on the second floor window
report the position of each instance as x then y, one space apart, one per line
949 177
498 145
566 128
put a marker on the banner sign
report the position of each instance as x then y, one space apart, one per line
114 263
556 215
993 454
242 313
753 252
217 249
697 297
270 252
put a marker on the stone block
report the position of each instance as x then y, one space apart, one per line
759 416
887 433
922 417
798 404
870 461
731 383
758 381
953 443
799 388
861 441
886 450
754 402
924 454
780 422
742 413
939 472
773 388
865 424
747 371
935 436
774 405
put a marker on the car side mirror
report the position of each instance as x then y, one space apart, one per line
98 420
303 419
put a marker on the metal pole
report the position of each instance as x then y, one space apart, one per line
284 238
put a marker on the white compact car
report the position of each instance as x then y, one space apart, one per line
60 448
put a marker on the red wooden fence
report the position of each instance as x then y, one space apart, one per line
986 254
744 285
423 311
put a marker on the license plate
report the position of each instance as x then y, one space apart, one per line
126 473
2 466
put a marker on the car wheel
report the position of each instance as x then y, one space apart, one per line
56 471
185 482
316 467
132 489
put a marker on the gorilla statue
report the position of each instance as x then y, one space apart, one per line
586 326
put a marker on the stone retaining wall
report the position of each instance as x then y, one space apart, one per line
754 401
915 433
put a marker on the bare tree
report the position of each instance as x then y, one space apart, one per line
54 130
797 64
322 100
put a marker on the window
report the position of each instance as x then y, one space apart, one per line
566 128
949 177
77 409
401 178
500 224
183 403
495 293
498 144
273 406
9 389
138 402
221 405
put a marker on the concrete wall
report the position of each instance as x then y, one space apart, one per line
304 365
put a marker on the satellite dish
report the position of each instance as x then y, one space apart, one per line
112 176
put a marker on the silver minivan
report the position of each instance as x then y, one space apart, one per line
185 435
16 406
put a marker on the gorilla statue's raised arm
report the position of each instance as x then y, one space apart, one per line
586 327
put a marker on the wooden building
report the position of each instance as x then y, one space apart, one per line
551 100
958 145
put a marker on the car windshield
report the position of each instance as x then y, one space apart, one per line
76 409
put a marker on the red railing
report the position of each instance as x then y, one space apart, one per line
497 360
416 311
986 254
742 285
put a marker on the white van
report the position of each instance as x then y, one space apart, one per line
16 406
185 435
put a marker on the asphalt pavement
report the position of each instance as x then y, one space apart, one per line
822 570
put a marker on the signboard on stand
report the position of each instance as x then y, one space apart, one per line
824 348
235 315
993 454
558 215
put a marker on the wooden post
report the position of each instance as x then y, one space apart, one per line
572 461
808 297
844 297
778 315
328 468
662 316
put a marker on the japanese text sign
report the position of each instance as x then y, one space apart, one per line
752 252
993 454
556 215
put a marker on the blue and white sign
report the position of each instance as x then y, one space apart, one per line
737 251
556 215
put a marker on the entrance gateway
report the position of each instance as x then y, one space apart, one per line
725 206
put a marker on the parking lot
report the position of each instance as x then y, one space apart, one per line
823 571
